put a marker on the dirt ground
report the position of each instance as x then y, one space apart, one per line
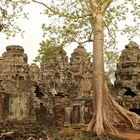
130 135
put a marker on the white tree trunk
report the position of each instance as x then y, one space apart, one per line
98 72
108 114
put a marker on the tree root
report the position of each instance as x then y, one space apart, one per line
115 118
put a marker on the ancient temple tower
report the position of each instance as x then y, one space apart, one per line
127 82
14 63
54 73
80 67
81 87
18 86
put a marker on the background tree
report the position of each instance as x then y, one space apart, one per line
47 50
10 11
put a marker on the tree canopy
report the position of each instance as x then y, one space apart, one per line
47 51
10 12
71 20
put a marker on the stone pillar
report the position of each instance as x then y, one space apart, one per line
67 116
82 113
1 106
76 114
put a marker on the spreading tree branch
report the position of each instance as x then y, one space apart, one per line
64 15
43 4
89 40
106 5
113 42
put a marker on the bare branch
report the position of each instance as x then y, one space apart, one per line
91 34
88 6
106 5
43 4
94 3
89 40
113 42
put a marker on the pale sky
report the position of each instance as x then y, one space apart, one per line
33 34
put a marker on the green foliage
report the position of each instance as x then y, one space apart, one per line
69 22
47 51
111 59
118 15
10 11
73 21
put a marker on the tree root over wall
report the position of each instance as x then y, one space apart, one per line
113 118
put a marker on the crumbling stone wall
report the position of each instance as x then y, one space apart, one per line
62 88
60 85
80 90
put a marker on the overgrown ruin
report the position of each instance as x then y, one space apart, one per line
127 82
60 92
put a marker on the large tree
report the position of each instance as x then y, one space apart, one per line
86 21
108 114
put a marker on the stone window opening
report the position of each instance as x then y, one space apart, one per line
60 94
38 91
17 76
21 78
136 110
129 92
75 115
138 86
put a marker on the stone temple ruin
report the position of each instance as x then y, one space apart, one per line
16 86
127 82
60 90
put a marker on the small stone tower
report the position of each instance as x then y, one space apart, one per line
14 63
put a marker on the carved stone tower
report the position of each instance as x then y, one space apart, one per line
80 67
55 73
14 64
127 82
18 86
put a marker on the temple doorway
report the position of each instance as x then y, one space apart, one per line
75 115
